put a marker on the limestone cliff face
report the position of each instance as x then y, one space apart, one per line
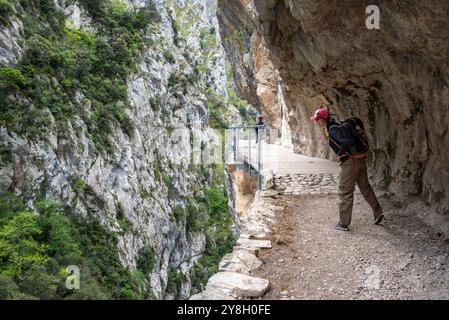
141 181
322 55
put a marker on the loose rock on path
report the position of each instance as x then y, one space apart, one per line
402 259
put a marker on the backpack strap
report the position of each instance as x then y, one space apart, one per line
335 142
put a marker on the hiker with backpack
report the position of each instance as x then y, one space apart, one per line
349 141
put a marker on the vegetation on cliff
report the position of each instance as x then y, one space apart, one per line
69 77
36 247
64 69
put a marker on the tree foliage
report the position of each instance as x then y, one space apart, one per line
37 246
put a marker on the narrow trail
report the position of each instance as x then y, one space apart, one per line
401 259
287 249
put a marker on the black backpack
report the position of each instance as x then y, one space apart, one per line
354 131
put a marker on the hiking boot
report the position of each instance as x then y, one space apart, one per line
379 219
341 227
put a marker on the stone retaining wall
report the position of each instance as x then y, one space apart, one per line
301 184
234 279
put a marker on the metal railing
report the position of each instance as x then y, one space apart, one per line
245 138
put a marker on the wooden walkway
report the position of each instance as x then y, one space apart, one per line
276 159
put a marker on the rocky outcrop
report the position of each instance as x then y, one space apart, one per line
245 187
237 284
240 261
323 55
11 37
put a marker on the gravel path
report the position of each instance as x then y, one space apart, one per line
402 259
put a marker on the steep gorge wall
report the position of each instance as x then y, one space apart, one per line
323 55
129 176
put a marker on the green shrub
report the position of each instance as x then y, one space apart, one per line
168 55
19 248
179 214
85 192
80 186
218 229
10 204
11 78
247 112
124 223
175 280
95 8
146 260
218 112
89 290
176 31
156 102
197 215
56 229
10 291
167 179
38 282
218 201
6 153
6 10
34 248
173 80
99 247
193 78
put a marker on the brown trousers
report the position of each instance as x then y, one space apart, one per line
354 171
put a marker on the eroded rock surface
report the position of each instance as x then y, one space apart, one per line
296 56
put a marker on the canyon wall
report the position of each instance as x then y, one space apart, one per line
318 53
93 95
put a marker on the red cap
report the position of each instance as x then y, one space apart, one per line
320 114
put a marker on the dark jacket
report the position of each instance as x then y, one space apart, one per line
338 141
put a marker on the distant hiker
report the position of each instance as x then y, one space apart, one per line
259 123
348 140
